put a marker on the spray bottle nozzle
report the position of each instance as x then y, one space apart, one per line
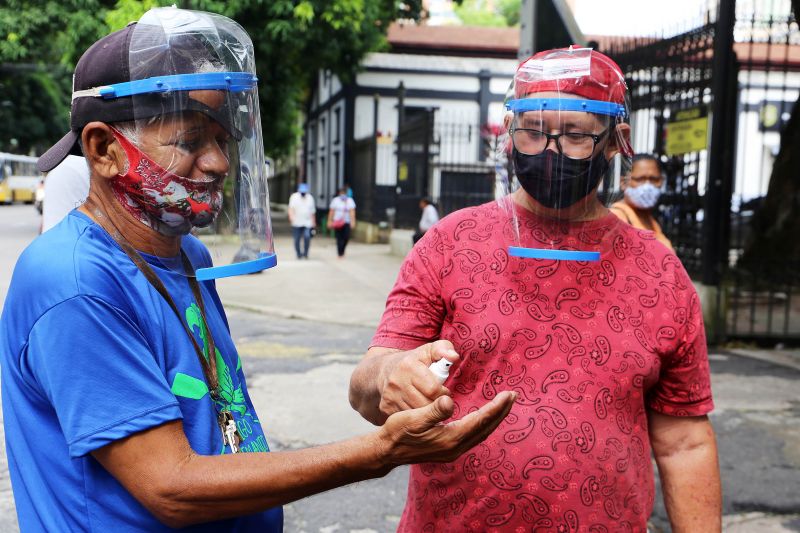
441 369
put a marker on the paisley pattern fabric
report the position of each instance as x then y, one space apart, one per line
589 347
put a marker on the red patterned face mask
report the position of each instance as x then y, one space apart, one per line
168 203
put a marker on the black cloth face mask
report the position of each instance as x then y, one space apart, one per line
556 181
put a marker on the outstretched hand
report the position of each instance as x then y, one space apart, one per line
418 435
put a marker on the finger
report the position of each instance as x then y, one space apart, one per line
479 424
442 349
389 407
432 414
438 350
415 398
428 386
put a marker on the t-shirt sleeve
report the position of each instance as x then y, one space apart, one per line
684 384
98 372
415 308
351 204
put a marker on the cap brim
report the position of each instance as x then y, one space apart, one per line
56 154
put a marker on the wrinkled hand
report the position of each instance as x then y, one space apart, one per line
417 436
409 383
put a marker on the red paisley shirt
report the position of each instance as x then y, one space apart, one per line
589 346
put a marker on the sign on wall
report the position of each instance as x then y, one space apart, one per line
774 115
687 131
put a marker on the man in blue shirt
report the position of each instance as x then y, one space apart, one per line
125 404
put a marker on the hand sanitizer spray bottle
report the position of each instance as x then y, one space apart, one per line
441 369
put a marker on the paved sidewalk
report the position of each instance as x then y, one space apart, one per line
323 288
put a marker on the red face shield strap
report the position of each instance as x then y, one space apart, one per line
168 203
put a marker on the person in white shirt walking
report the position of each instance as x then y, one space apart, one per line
65 188
342 219
430 216
302 217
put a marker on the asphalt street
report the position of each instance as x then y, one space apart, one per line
298 358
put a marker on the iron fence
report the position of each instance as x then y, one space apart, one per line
713 191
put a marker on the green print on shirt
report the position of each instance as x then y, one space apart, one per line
231 399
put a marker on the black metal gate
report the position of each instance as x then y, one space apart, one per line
666 77
698 77
763 291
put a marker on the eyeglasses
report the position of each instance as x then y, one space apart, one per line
655 180
572 145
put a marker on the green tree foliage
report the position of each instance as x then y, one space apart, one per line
293 39
486 13
510 9
296 38
39 44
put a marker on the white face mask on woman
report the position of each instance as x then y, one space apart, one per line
645 196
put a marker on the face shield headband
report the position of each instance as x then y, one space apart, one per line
217 81
598 107
180 85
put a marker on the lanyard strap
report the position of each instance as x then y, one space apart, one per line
209 363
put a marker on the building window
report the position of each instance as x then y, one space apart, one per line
336 167
337 124
312 137
311 170
322 132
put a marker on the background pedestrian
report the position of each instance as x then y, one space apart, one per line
642 189
430 216
342 219
302 217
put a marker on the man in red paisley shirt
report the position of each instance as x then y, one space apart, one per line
608 356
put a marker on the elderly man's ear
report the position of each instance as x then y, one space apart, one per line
621 131
102 151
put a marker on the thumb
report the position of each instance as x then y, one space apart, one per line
436 412
440 349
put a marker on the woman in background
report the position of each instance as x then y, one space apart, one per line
342 218
642 189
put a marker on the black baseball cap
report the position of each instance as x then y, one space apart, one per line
107 62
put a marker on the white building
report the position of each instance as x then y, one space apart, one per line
451 80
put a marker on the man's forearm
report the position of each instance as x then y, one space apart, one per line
179 487
691 485
206 490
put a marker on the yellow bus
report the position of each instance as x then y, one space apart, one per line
18 178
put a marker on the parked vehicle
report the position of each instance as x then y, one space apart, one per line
18 178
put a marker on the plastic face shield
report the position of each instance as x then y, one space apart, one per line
565 145
195 100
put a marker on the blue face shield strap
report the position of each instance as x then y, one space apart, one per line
262 262
560 255
218 81
566 104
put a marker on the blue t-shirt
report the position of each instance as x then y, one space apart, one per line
90 354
